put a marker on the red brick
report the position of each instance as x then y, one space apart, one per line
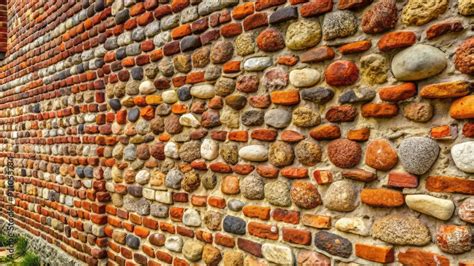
355 47
414 256
231 30
379 110
323 177
315 8
296 236
263 4
243 10
442 28
316 221
398 92
402 180
263 230
285 97
382 197
286 216
255 21
254 211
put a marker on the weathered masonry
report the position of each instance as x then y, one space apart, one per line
236 132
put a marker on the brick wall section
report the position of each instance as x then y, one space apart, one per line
3 26
233 132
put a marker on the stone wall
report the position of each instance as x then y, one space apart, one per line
242 132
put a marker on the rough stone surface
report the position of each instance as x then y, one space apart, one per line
401 230
341 196
417 154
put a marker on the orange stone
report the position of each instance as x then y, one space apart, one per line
341 73
322 177
254 211
382 197
450 184
381 155
462 108
153 99
355 47
398 92
243 10
361 134
379 110
394 40
359 175
230 185
443 90
316 221
325 132
414 256
444 132
402 180
381 254
286 97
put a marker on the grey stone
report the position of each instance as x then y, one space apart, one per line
418 154
234 225
173 179
418 62
252 187
257 63
317 95
357 95
341 196
235 205
339 24
278 118
401 229
252 117
278 193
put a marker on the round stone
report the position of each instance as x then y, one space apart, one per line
252 117
211 255
173 179
418 154
381 155
171 150
374 68
339 24
147 87
305 195
235 205
344 153
174 243
281 154
172 125
224 86
182 63
380 17
205 91
454 239
303 34
166 67
209 180
341 196
189 120
317 95
192 218
236 101
254 153
270 40
279 254
420 12
278 118
341 73
252 187
234 225
463 156
247 83
258 63
466 210
192 250
418 112
233 257
308 153
213 220
230 185
222 52
401 229
200 57
190 151
464 60
352 225
418 62
278 193
245 44
305 77
275 79
305 117
209 149
191 181
229 152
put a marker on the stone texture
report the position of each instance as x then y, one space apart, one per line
380 155
454 239
418 154
439 208
418 62
379 17
344 153
278 193
339 24
419 12
303 34
401 230
341 196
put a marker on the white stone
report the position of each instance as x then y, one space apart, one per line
305 77
171 150
257 63
148 193
279 254
169 96
174 243
164 197
147 87
463 156
142 177
439 208
191 218
203 91
352 225
189 120
209 149
255 153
